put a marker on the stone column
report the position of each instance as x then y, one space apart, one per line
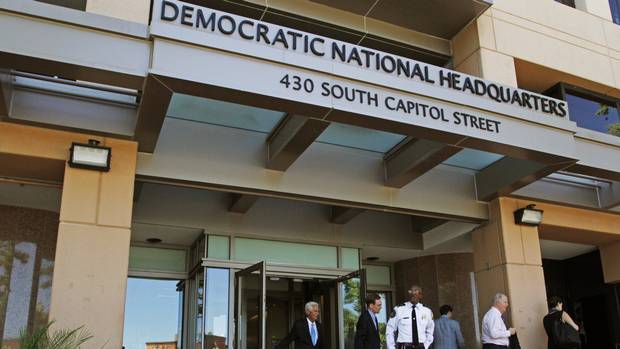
92 251
507 259
475 53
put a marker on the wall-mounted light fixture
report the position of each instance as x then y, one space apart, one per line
528 215
90 156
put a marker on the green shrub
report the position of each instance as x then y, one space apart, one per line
44 338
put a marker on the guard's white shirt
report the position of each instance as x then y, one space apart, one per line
401 322
493 328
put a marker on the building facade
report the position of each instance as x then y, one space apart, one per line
261 154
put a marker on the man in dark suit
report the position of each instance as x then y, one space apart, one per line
367 334
307 332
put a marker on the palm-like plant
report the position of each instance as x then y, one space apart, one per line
41 338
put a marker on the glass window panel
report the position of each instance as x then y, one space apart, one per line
156 259
359 137
218 247
191 299
223 113
216 308
27 248
378 275
254 250
198 324
593 115
151 313
350 258
20 292
180 312
249 319
614 5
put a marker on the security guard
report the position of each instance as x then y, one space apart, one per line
413 323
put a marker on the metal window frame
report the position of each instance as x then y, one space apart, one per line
561 89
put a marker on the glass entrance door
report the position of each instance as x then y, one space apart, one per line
250 307
351 294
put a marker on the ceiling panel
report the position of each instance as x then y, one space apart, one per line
559 250
359 7
360 138
441 18
221 113
473 159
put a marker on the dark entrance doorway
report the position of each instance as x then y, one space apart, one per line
266 306
594 305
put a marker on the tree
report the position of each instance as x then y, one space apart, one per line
603 111
351 309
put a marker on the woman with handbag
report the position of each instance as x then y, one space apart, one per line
562 331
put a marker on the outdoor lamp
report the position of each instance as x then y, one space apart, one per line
90 156
528 215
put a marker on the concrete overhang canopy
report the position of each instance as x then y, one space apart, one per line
342 20
440 18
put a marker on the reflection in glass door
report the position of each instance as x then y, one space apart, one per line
250 307
199 311
216 308
351 294
151 314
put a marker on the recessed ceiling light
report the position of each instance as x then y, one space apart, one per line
153 240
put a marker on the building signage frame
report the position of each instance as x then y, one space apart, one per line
221 30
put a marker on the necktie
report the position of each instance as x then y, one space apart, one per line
414 327
374 316
313 334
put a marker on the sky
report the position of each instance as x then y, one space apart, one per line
151 312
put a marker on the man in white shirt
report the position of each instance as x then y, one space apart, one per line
413 322
495 335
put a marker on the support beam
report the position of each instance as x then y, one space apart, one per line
448 231
5 94
241 203
342 215
421 224
413 158
610 194
610 261
137 190
156 97
594 172
290 139
509 174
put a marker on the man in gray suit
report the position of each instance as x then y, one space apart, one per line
447 331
